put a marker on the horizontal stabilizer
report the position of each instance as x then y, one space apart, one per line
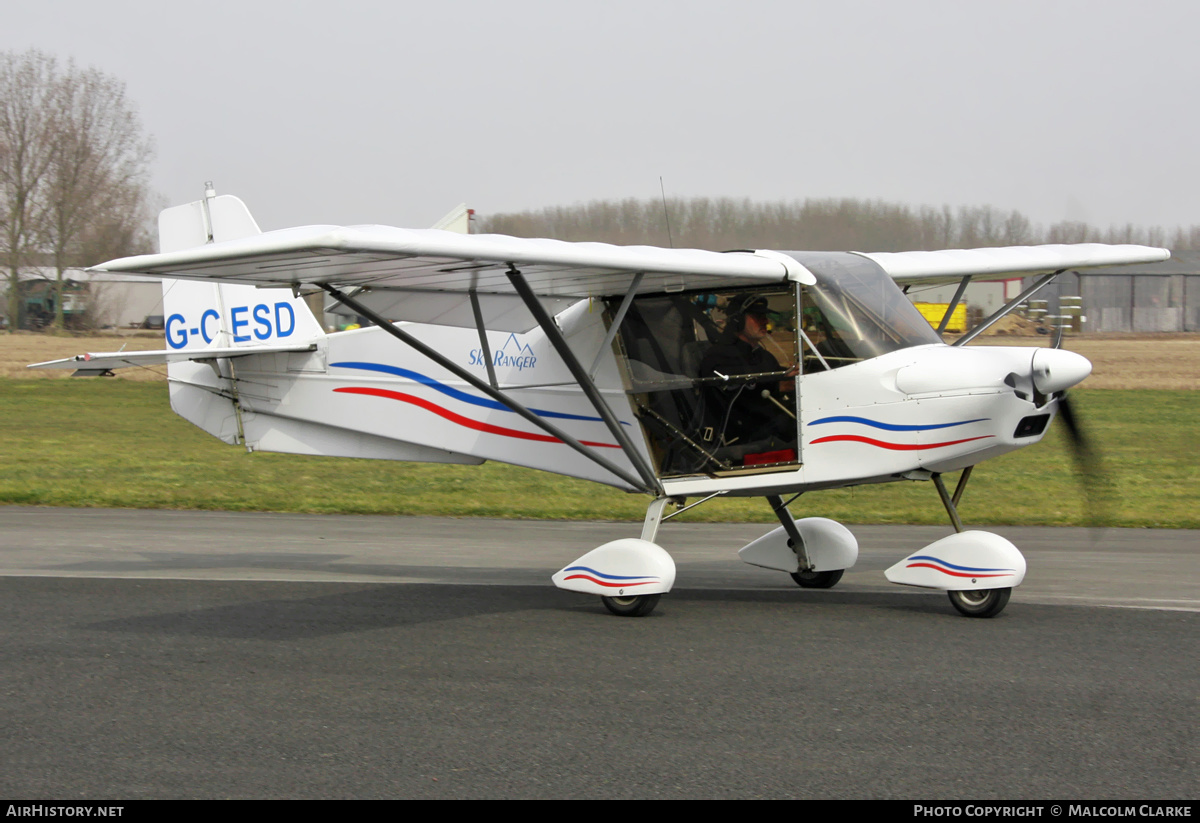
101 362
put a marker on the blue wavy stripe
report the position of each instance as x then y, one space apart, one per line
952 566
893 427
609 576
450 391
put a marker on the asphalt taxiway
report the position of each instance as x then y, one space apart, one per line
211 654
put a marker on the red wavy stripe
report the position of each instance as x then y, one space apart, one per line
895 446
606 583
953 574
464 421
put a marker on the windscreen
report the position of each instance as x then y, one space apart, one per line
854 312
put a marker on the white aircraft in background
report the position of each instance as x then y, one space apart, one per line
669 372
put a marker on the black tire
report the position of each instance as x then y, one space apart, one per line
981 602
634 605
818 580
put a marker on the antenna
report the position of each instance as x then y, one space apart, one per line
666 214
209 194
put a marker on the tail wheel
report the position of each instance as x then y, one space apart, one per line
635 605
818 580
981 602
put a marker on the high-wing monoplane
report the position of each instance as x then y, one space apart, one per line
678 374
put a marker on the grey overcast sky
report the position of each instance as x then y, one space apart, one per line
393 112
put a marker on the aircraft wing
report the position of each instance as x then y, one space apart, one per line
101 362
424 275
385 258
930 267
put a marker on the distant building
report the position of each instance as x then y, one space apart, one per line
1162 297
99 299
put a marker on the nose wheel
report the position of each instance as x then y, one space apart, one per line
981 602
635 605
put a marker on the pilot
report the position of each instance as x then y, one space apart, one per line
747 412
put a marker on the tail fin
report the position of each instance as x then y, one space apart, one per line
217 315
200 315
211 220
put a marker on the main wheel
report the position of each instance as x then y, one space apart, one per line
981 602
818 580
634 605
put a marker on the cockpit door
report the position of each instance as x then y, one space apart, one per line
712 378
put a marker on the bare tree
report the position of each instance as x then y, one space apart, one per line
830 224
1018 231
74 161
97 181
1071 231
27 89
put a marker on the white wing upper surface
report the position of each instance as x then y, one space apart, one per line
1015 261
413 260
382 257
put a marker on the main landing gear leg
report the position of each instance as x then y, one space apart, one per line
951 501
640 605
981 602
805 577
654 518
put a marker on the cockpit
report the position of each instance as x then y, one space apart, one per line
713 374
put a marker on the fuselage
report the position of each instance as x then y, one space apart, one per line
851 386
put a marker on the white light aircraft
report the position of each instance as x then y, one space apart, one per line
674 373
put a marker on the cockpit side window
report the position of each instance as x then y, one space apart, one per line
712 376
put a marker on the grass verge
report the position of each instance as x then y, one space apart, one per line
115 443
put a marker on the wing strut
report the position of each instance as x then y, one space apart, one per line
1006 308
495 394
487 350
554 335
962 287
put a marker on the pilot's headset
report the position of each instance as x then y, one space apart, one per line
740 306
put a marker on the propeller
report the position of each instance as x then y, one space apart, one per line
1065 368
1096 483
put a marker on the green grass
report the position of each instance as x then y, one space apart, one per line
115 443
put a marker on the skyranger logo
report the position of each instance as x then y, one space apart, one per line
512 355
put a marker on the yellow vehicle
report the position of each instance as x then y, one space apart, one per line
934 312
